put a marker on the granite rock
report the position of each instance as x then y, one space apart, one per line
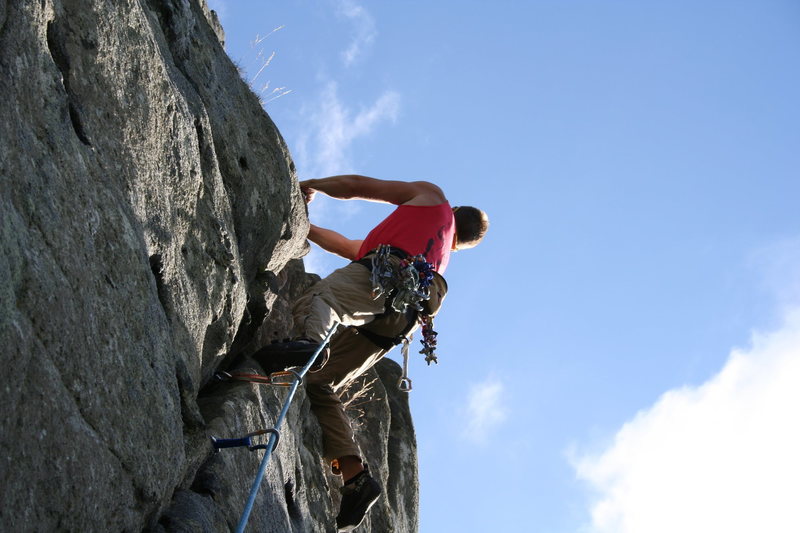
149 211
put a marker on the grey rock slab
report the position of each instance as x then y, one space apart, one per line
149 210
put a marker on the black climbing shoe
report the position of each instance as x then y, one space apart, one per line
357 497
282 355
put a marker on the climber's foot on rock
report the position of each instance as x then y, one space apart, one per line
279 356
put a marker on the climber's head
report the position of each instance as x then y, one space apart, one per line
471 226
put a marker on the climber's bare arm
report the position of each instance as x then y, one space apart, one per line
353 186
334 242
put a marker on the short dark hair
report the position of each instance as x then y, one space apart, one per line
471 225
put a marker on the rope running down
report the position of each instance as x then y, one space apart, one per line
274 433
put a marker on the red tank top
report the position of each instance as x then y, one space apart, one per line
416 229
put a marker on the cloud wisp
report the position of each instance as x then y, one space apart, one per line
365 30
332 127
722 456
486 410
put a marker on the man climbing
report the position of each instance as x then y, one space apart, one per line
423 224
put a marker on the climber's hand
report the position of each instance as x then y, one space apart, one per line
308 193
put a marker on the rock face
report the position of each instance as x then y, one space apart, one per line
149 211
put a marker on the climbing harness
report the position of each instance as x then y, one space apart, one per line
406 281
404 383
406 285
274 433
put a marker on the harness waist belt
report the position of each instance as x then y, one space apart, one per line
381 341
367 261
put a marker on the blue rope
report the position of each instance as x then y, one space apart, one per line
248 508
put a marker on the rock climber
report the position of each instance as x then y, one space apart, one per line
423 224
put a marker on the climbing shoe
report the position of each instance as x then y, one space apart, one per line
279 356
358 495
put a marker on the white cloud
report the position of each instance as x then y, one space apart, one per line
486 410
365 31
332 127
722 456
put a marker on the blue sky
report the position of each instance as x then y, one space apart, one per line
621 353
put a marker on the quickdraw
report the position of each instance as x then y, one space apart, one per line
247 440
428 340
404 383
406 283
283 378
382 271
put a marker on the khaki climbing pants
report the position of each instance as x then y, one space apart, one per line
344 296
351 355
